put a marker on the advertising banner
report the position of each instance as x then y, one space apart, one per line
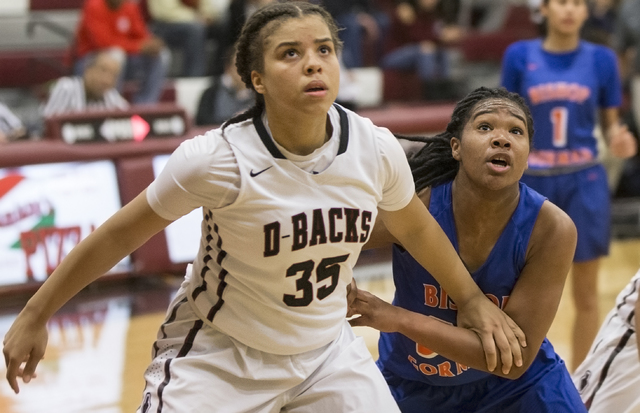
46 210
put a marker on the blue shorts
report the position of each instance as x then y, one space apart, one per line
549 391
584 196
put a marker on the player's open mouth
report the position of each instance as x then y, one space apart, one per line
500 161
316 87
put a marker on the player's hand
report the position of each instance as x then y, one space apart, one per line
622 143
374 312
24 346
495 329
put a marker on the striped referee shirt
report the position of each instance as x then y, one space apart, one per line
69 95
8 121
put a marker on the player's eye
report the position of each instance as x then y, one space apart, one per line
324 49
290 53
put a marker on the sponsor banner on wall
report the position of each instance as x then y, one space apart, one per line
46 210
183 235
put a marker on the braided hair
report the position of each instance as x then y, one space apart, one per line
250 44
434 164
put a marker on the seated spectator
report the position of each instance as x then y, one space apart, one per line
94 90
106 24
419 39
601 23
483 15
359 20
11 127
238 11
226 97
183 25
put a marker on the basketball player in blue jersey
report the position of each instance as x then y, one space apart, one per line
570 85
518 248
290 191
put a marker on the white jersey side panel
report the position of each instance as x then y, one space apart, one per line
274 265
626 302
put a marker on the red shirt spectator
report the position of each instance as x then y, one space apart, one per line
109 23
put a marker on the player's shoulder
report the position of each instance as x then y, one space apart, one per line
553 225
520 47
599 51
554 234
355 119
363 128
202 145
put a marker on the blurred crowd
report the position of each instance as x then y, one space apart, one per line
125 51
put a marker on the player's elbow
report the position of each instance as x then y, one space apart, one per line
517 372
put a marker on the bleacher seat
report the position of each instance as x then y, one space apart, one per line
491 46
476 48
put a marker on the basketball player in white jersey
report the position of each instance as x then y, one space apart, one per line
290 190
609 378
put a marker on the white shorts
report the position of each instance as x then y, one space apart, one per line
609 378
199 369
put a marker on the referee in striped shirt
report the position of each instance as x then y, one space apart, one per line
95 90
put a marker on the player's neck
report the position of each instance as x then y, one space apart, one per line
481 205
300 137
558 43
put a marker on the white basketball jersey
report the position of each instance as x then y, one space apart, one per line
626 301
274 265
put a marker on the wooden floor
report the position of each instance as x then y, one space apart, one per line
101 343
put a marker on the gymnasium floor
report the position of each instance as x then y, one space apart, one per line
100 344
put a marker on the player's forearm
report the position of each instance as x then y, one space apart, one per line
90 259
455 343
118 237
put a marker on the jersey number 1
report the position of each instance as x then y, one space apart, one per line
328 268
559 116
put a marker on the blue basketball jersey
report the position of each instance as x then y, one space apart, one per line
564 92
417 290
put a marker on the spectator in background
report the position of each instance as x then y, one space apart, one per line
601 23
106 24
483 15
359 20
237 13
226 97
420 37
184 25
94 90
626 42
11 127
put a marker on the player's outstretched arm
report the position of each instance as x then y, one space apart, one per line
532 304
419 233
119 236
